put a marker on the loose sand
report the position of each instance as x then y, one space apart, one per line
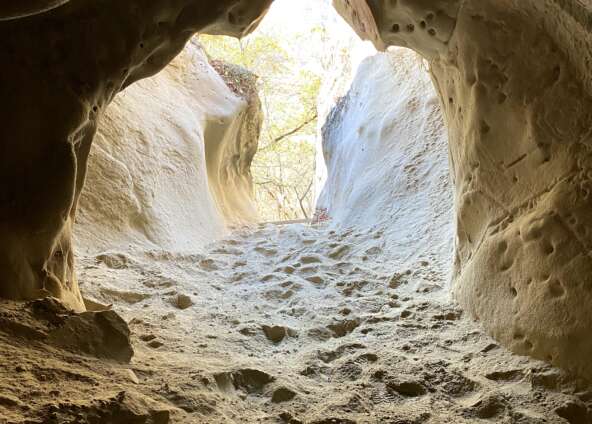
296 324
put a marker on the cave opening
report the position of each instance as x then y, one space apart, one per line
202 301
284 56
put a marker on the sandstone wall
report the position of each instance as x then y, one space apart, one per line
385 149
514 80
13 9
169 168
61 69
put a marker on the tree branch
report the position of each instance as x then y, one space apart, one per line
295 130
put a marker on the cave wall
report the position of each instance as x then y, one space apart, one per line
386 161
148 185
14 9
514 83
61 70
231 145
345 52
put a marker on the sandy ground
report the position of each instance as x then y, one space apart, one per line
292 324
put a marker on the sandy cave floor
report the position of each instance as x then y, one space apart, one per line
288 324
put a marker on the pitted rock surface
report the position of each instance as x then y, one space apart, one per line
515 87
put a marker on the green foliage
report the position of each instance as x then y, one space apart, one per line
283 169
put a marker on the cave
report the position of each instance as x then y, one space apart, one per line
445 276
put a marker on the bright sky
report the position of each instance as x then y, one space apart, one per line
297 15
291 22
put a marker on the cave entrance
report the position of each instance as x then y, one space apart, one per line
348 320
285 56
333 148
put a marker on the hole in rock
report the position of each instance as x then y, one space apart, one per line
266 229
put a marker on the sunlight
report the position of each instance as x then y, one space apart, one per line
286 54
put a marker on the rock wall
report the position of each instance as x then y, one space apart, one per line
61 69
387 162
515 81
514 78
12 9
345 52
169 168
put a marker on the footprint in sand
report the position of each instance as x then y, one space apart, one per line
343 328
286 270
283 394
155 344
316 280
277 294
227 251
398 279
291 285
307 270
159 283
373 251
240 276
408 388
232 242
113 260
277 333
489 406
250 381
208 265
310 259
266 251
332 355
339 252
129 297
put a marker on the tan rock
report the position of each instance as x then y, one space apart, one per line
513 79
61 72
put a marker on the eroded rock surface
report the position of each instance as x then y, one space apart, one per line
368 338
61 69
13 9
514 81
387 165
151 183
